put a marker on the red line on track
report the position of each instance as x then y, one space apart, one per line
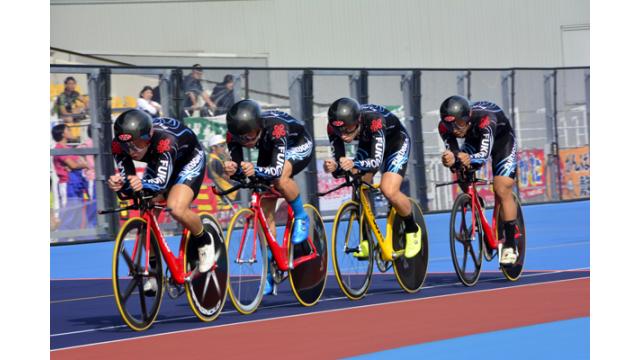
361 330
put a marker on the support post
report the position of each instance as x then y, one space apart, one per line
301 100
99 83
411 94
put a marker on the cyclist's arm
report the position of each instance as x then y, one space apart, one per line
337 150
450 141
277 160
125 167
486 143
158 172
377 149
235 150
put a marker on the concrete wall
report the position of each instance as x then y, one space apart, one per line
330 33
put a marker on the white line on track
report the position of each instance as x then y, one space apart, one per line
320 312
325 300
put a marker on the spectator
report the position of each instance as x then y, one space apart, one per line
223 95
215 165
71 184
71 107
90 175
193 90
146 104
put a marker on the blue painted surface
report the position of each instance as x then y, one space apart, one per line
568 339
558 238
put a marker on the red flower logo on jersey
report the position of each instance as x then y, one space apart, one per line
376 125
278 131
163 145
116 148
484 122
442 128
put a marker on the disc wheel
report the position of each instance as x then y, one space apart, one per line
128 275
465 241
309 278
411 273
353 274
513 272
247 271
207 292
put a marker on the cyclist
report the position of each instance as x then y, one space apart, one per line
487 133
284 149
383 144
175 170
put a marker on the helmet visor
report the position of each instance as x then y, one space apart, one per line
346 130
135 146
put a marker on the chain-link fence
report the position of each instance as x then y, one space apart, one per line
549 109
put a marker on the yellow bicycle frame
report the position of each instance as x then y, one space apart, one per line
386 244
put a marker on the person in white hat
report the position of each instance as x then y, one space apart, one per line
215 164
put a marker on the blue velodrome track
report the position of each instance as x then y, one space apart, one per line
83 311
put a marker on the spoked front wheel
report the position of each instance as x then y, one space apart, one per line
513 272
247 261
411 273
137 308
309 278
352 273
465 241
207 292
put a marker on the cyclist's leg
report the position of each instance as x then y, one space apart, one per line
504 172
297 158
186 185
395 163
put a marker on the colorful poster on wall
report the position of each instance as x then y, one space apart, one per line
575 172
326 181
531 173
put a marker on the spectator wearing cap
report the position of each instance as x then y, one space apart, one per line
215 164
193 90
146 104
223 95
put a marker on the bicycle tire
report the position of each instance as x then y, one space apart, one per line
138 317
243 292
207 293
463 207
411 273
513 272
353 275
308 279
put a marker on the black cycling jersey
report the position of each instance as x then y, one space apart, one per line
283 138
174 157
490 134
382 142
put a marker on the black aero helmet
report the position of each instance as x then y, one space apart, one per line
455 107
244 117
344 112
133 125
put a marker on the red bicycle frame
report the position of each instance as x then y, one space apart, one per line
489 230
280 253
173 263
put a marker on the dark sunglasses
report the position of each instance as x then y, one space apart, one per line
342 130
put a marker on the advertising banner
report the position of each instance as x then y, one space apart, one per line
575 172
531 173
326 181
